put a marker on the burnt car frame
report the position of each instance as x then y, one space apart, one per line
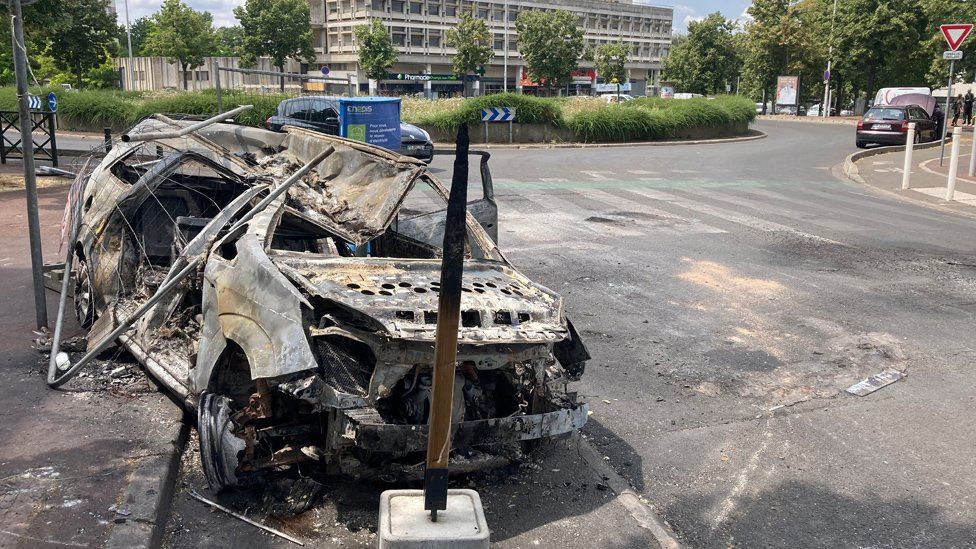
306 335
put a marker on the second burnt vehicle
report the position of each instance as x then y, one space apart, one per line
306 336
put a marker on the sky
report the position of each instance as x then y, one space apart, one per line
685 11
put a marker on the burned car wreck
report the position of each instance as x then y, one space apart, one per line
303 331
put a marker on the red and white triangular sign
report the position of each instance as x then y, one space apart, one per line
955 34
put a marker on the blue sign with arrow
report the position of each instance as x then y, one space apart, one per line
33 102
52 102
498 114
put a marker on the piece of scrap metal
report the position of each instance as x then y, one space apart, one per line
875 382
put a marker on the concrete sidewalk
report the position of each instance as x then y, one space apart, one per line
85 466
884 172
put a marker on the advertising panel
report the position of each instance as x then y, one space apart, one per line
374 120
787 90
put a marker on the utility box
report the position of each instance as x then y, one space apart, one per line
373 120
404 524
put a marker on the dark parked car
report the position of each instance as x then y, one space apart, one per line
321 114
888 125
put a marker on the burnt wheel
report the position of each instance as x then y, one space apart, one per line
219 448
83 294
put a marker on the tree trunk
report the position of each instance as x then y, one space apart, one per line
186 77
281 69
870 83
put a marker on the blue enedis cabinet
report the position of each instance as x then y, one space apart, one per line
374 120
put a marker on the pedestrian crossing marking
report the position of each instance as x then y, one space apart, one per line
940 192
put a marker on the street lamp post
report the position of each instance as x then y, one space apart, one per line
128 37
505 52
825 108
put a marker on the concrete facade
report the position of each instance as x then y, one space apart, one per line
419 31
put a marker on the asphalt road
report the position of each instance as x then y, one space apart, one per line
729 294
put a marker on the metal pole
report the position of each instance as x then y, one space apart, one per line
30 183
445 346
945 124
909 146
825 107
148 136
953 163
52 128
220 99
108 139
505 50
128 37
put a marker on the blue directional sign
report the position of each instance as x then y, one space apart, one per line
33 102
325 70
498 114
52 102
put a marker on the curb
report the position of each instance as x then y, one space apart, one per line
965 177
844 121
148 498
641 512
850 167
756 134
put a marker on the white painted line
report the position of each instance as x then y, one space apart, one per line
597 176
553 179
939 192
641 172
670 223
735 217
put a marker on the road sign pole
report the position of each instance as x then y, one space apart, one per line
30 183
945 123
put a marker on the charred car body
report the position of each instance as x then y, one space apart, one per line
307 334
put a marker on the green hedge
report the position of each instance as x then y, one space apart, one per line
530 110
642 119
649 119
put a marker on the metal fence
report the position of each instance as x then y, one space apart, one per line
242 83
43 133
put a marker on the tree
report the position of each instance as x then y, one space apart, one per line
82 38
139 31
551 44
229 41
279 29
610 61
704 61
182 35
472 39
376 51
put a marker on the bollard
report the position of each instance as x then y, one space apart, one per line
108 139
953 162
909 147
972 157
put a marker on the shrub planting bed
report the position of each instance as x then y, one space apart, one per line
578 118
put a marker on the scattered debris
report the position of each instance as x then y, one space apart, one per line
875 382
193 493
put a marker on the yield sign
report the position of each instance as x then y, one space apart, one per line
955 34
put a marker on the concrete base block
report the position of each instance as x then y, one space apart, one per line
404 524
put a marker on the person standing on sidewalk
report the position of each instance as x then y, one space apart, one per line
939 117
956 110
967 108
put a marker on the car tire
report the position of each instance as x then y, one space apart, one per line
918 138
83 294
219 447
860 144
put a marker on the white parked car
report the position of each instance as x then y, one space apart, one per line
615 98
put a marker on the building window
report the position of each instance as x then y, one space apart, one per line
417 40
397 6
512 14
416 8
346 39
379 5
482 13
434 41
203 76
399 39
434 9
450 11
498 15
499 43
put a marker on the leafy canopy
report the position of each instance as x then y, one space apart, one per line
473 42
82 37
551 43
181 34
279 29
706 59
610 61
376 51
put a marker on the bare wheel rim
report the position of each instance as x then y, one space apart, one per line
83 294
219 447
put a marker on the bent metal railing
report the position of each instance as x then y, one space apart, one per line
43 132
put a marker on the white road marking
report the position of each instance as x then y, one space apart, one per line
669 222
735 217
741 480
553 179
641 172
685 171
939 192
598 176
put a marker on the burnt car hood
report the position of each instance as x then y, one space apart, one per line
497 302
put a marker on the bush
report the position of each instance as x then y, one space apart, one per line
649 119
529 110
